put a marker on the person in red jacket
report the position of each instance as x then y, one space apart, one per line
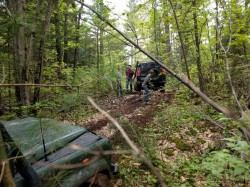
129 78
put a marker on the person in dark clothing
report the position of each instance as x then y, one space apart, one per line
145 85
19 163
158 81
129 78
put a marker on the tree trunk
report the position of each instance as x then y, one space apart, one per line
217 46
198 55
167 33
246 31
58 41
181 40
101 51
41 52
155 31
76 51
66 33
97 50
22 40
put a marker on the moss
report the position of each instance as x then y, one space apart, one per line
202 125
169 138
181 145
169 152
192 132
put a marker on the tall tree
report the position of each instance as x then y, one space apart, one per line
100 26
22 39
167 31
183 47
59 47
41 50
156 28
66 35
77 36
202 83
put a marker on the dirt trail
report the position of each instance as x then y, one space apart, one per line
131 108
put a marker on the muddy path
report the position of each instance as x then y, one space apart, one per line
129 107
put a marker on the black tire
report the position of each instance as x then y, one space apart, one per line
137 86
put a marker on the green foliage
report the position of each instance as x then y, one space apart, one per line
228 165
168 144
134 173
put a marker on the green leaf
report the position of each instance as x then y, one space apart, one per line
239 170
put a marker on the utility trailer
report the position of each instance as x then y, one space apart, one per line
48 145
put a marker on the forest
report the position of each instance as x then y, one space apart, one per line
59 60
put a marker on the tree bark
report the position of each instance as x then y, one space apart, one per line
66 33
181 40
155 30
101 51
41 51
217 45
97 50
198 55
22 40
168 34
58 40
76 51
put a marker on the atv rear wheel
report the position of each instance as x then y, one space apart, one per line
137 86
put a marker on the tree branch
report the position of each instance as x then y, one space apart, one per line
137 152
226 61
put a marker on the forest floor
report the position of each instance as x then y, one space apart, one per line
130 108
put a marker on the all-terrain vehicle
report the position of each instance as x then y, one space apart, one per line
58 151
142 69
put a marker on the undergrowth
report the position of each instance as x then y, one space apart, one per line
188 149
